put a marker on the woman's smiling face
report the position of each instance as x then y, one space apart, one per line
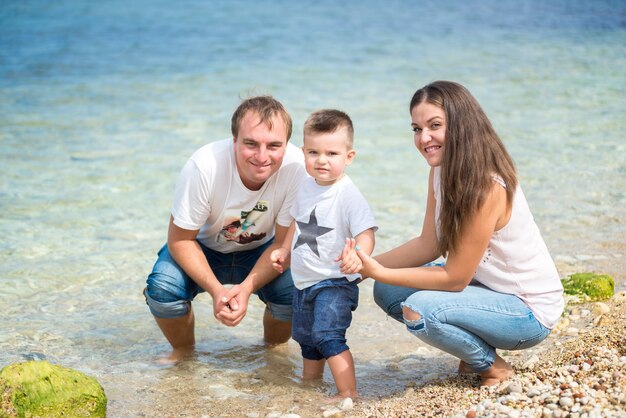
428 122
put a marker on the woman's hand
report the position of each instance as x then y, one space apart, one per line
350 261
371 267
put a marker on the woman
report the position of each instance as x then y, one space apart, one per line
499 287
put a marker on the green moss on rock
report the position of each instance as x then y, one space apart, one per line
38 388
589 286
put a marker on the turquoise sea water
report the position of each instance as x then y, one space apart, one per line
102 102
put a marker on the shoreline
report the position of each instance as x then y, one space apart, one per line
579 371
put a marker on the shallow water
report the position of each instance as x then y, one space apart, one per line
101 104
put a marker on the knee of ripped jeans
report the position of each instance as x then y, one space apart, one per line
412 319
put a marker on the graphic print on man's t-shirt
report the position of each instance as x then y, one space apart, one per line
309 231
240 229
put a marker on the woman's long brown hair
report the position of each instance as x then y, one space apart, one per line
473 153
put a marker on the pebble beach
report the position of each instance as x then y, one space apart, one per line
579 372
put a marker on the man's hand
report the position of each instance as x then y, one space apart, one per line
280 259
231 306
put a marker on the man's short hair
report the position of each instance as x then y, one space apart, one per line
266 107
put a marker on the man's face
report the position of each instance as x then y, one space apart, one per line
259 150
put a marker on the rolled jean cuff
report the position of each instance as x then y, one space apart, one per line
167 310
280 312
487 361
332 348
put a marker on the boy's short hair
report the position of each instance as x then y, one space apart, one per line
266 107
328 121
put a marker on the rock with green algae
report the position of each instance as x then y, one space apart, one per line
589 286
41 389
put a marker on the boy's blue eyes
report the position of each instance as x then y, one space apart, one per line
315 153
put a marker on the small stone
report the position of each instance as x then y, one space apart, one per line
331 412
532 393
566 402
514 387
600 308
571 331
471 414
531 362
346 404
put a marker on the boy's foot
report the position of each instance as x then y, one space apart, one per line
342 399
497 373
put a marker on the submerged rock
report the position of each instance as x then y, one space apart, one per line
589 286
38 388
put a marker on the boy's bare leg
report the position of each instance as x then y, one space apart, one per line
498 372
342 368
274 331
313 369
180 334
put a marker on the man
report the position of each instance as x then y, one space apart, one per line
230 211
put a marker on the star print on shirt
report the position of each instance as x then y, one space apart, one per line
309 233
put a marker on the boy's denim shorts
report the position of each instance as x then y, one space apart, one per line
321 315
169 290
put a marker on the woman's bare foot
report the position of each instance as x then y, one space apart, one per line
464 368
497 373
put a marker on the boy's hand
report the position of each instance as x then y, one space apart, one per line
370 265
350 261
279 259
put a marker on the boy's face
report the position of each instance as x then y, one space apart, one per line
326 155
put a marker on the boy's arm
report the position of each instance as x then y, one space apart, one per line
280 257
366 241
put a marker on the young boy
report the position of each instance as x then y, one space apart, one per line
329 211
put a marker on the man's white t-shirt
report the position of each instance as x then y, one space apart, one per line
210 197
325 216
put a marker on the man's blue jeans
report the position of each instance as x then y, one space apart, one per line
170 290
